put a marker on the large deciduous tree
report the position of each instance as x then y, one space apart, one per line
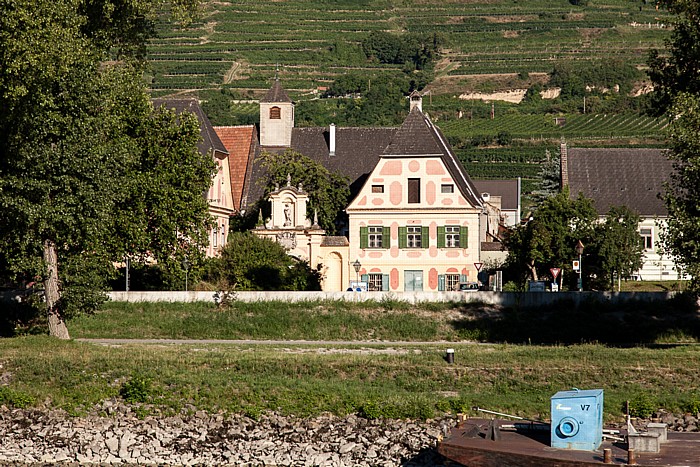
328 191
89 172
682 198
677 71
617 245
549 239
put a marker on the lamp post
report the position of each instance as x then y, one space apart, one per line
186 265
579 250
357 267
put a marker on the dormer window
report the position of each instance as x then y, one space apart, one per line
275 113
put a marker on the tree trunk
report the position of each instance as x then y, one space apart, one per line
57 325
533 271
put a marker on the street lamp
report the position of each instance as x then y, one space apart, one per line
186 265
357 267
579 250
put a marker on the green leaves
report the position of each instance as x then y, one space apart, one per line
328 191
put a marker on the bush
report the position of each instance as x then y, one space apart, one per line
137 389
642 406
16 399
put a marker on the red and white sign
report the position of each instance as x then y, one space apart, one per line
577 265
555 272
478 266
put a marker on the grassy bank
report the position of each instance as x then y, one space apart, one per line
392 320
377 381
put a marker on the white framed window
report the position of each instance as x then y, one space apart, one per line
223 236
647 234
215 237
374 237
447 188
377 188
413 237
374 283
451 236
451 281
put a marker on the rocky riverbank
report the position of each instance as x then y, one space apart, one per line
118 436
50 437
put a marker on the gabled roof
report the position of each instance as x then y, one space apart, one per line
357 153
506 189
418 137
210 140
620 177
276 94
240 142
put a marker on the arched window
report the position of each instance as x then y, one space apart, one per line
275 113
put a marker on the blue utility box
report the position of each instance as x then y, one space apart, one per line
577 419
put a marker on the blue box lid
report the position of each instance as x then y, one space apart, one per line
573 393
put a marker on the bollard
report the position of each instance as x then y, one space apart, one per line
607 456
450 356
631 458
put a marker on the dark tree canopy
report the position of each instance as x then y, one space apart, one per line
678 70
328 191
89 171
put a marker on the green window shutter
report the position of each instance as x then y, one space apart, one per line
441 282
463 278
464 237
385 282
403 240
364 238
441 238
425 236
364 277
386 237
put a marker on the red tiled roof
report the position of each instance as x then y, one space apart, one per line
238 140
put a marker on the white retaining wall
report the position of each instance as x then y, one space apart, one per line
524 299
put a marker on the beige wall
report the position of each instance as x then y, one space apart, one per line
435 209
276 132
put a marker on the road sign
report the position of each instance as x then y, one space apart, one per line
577 265
478 266
555 272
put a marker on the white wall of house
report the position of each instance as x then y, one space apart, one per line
657 266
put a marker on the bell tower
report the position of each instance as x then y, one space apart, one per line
276 117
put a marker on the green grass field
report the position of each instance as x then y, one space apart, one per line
373 379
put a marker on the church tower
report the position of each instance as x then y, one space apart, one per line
276 117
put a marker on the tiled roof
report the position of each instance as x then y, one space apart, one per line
240 143
335 241
620 177
492 246
356 154
276 94
210 140
418 137
506 189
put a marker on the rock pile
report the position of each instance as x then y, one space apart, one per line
34 436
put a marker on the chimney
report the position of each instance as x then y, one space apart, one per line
331 141
564 164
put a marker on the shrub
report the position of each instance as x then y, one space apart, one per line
16 399
137 389
642 406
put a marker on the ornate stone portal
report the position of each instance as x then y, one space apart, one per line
302 238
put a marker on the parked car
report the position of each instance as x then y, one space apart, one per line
469 287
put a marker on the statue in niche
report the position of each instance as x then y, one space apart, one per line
287 215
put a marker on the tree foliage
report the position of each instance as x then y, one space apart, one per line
328 191
678 70
682 197
549 239
618 247
248 262
89 172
